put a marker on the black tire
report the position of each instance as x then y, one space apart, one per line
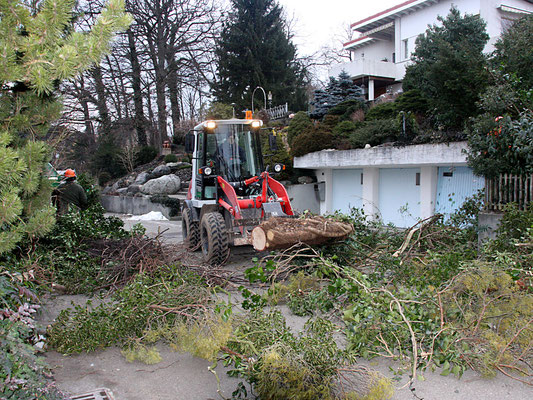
190 230
214 237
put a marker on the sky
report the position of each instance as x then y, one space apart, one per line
317 22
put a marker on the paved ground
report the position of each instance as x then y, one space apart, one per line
181 376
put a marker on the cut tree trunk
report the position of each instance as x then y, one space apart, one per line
280 233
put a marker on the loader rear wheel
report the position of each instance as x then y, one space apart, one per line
214 238
190 230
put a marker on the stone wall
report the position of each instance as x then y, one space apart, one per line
132 205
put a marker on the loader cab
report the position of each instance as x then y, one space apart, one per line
227 148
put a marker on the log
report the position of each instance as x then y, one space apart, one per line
280 232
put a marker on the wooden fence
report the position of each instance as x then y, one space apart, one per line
506 189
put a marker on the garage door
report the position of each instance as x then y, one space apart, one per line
399 196
347 189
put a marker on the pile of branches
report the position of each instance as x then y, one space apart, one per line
121 259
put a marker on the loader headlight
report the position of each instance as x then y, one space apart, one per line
257 124
211 125
208 171
279 167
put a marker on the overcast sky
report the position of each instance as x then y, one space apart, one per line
318 21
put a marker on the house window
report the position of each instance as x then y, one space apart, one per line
393 57
405 49
417 179
361 179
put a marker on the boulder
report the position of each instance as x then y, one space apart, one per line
142 178
107 190
134 189
122 191
160 170
167 184
176 166
305 179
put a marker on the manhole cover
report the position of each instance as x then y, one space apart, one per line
98 394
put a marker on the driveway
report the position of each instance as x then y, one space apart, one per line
182 376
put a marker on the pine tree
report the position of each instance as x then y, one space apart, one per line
337 91
255 50
38 51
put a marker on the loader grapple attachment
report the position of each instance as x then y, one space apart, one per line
273 210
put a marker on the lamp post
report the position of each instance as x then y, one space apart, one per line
264 96
269 99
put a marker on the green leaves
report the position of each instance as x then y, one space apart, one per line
449 68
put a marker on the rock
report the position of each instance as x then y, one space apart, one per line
160 171
168 184
122 191
134 189
142 178
178 166
114 187
305 179
107 190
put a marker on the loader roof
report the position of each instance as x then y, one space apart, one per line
233 121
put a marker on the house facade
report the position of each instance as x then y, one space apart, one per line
399 185
386 40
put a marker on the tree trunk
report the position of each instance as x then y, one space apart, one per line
101 104
280 233
84 102
172 83
137 93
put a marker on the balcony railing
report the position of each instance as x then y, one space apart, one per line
369 67
507 189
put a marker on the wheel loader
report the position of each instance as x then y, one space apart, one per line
230 192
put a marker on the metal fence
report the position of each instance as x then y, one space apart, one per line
506 189
278 111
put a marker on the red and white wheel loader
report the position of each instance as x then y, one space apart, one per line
230 192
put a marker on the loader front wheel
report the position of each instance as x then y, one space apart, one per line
190 230
214 238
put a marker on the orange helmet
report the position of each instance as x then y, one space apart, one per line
70 173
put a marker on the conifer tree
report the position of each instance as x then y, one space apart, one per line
338 90
255 50
449 68
38 49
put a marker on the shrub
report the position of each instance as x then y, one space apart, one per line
219 111
382 111
300 123
375 132
342 133
500 146
412 100
145 155
345 109
103 178
107 158
311 140
344 129
171 158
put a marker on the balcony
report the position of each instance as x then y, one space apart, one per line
367 67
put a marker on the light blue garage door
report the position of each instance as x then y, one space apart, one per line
454 186
347 189
399 196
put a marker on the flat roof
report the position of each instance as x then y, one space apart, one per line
438 154
390 14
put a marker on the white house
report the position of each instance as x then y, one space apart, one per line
401 185
386 40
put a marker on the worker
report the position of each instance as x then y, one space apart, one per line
230 158
69 192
